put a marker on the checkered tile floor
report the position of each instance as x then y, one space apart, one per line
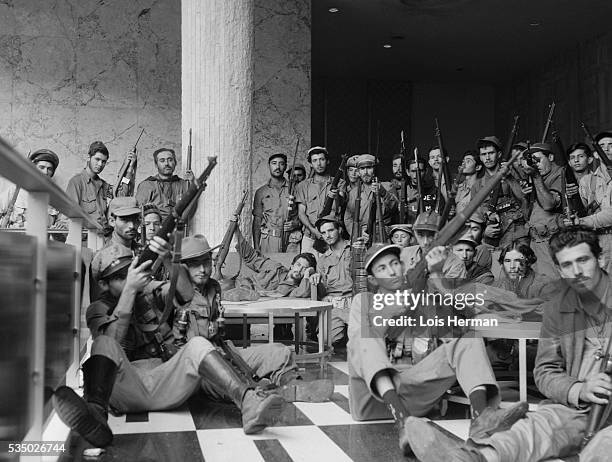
205 431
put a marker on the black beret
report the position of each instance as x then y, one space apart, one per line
46 155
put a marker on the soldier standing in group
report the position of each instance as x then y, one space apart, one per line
435 162
471 166
298 173
507 223
164 189
595 189
89 190
46 162
370 186
580 159
270 205
545 218
310 195
429 190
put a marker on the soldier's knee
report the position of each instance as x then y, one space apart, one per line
104 345
198 346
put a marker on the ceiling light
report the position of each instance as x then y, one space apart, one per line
535 23
333 10
387 45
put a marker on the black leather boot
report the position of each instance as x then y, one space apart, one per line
259 409
88 415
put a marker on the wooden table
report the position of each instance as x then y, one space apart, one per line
285 310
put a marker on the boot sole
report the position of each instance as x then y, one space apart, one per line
75 413
268 413
315 391
427 442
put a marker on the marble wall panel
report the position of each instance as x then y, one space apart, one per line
282 82
75 71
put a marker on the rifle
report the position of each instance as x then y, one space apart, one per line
596 413
153 333
493 216
189 152
418 182
600 152
358 273
443 164
450 207
143 228
403 204
127 173
380 225
573 205
319 244
6 219
285 237
548 122
227 238
452 231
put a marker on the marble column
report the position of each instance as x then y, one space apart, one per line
217 93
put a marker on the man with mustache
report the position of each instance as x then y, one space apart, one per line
164 189
507 223
401 370
89 190
46 162
575 330
270 206
366 164
333 271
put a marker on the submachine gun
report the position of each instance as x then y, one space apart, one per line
493 215
152 328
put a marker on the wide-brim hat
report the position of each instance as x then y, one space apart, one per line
194 247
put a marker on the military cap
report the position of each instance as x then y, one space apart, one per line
150 208
467 240
520 145
540 147
407 228
107 255
477 217
116 265
278 154
489 140
45 155
352 161
299 166
366 160
97 146
377 250
427 221
123 207
194 247
331 218
316 150
604 134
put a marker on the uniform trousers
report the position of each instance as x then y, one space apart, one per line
554 430
605 241
420 386
154 385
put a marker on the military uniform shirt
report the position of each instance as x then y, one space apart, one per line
91 193
163 193
312 195
335 270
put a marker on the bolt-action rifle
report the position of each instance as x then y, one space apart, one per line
290 210
127 173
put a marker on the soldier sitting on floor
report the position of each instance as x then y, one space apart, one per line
134 365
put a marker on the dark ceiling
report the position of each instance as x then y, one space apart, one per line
448 40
